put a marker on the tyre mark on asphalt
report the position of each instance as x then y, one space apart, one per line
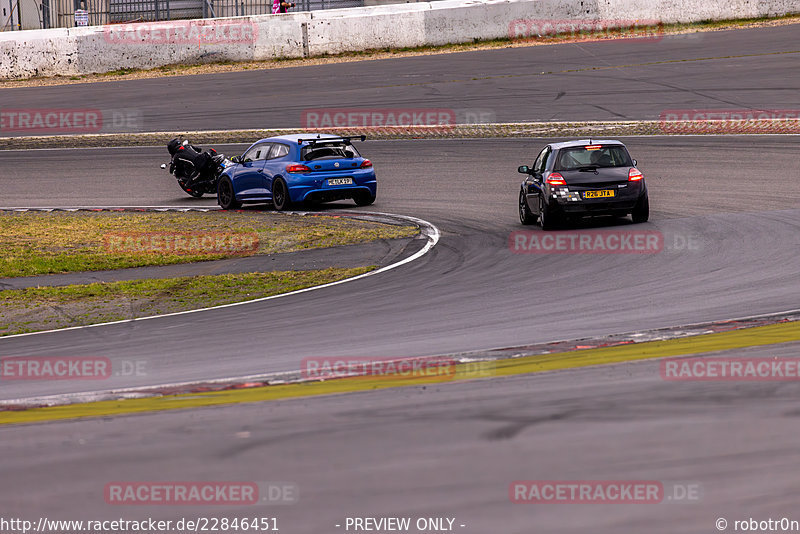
591 69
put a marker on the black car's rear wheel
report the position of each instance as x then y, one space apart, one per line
280 195
641 212
547 218
526 216
226 198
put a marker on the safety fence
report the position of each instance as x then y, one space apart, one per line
71 13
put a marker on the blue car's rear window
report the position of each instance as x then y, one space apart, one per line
329 151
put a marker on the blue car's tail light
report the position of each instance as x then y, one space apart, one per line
297 168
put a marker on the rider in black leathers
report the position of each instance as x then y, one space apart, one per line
189 161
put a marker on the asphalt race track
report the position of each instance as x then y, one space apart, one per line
471 292
633 79
448 451
452 450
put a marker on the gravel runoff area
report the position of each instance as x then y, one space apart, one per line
665 126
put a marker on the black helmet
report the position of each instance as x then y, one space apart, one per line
173 146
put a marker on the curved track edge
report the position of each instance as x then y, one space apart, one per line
428 231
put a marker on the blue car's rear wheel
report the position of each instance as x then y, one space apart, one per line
280 195
363 198
226 198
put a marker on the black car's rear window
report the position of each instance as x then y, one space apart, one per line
574 158
329 151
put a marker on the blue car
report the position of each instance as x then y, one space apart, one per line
288 170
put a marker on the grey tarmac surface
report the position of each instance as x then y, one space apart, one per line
729 251
448 450
619 79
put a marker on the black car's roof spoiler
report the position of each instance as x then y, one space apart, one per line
346 140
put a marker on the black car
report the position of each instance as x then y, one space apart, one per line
582 178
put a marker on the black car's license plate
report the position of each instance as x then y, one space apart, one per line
599 194
340 181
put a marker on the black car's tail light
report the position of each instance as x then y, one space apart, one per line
556 179
634 175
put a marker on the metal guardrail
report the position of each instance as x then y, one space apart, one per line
10 15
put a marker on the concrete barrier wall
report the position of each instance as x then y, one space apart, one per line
493 19
670 11
75 51
343 30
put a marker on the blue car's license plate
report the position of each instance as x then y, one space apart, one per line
340 181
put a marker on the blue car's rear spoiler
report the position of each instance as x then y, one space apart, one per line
345 140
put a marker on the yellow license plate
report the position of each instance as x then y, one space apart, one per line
599 194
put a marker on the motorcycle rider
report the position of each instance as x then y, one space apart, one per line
188 161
